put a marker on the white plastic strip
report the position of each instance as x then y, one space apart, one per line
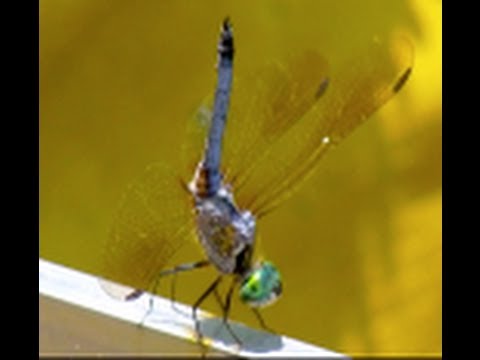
61 287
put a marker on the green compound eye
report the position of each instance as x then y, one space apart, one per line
262 286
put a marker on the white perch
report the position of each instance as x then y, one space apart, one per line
78 317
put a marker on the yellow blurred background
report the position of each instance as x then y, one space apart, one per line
359 246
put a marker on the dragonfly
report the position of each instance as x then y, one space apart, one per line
281 122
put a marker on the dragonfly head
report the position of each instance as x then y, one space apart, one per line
261 286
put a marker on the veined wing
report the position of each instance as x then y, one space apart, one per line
264 106
153 221
295 131
193 147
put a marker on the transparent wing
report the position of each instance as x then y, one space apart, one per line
264 106
193 147
153 221
274 140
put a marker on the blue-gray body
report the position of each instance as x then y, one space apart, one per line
226 233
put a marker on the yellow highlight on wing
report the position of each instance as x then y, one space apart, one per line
153 221
284 119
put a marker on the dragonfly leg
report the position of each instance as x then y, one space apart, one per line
261 321
197 304
148 312
172 291
150 302
226 311
173 271
181 268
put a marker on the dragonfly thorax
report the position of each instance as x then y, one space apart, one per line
226 233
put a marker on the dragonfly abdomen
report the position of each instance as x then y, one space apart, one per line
213 149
